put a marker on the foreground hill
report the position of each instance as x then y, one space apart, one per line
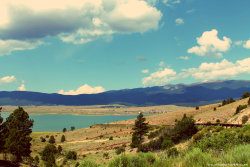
180 94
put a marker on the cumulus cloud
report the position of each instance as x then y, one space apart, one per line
146 71
247 44
160 77
210 45
220 70
85 89
179 21
205 71
21 88
78 21
8 79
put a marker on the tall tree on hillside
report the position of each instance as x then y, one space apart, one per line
18 140
1 133
140 129
245 95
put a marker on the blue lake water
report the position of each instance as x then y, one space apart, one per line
58 122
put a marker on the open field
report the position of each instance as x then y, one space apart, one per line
96 109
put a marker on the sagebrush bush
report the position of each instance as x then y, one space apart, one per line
239 154
218 138
197 158
138 160
88 163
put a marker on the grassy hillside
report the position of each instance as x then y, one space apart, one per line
203 115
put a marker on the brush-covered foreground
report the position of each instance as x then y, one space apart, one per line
209 146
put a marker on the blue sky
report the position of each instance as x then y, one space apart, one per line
91 46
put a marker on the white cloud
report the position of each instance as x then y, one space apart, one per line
8 79
184 57
146 71
160 77
162 64
85 89
247 44
238 42
210 45
21 88
179 21
206 71
8 46
78 21
190 11
220 70
171 2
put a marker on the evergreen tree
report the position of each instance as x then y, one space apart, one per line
59 148
72 128
52 140
64 130
63 138
1 133
48 155
245 95
18 129
140 129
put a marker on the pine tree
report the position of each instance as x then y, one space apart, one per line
18 129
140 129
63 138
1 133
48 155
52 140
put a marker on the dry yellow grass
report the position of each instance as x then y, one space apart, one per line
203 115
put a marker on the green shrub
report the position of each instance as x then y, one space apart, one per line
119 150
244 119
172 152
167 143
138 160
111 138
197 158
88 163
218 138
71 155
239 108
239 154
63 138
43 139
106 155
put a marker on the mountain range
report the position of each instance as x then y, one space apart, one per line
178 94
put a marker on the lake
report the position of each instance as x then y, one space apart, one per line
58 122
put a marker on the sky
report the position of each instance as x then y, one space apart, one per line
90 46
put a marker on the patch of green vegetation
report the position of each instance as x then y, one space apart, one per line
216 138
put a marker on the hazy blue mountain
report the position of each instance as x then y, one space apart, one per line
179 94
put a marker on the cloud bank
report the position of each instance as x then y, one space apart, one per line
206 71
24 23
85 89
